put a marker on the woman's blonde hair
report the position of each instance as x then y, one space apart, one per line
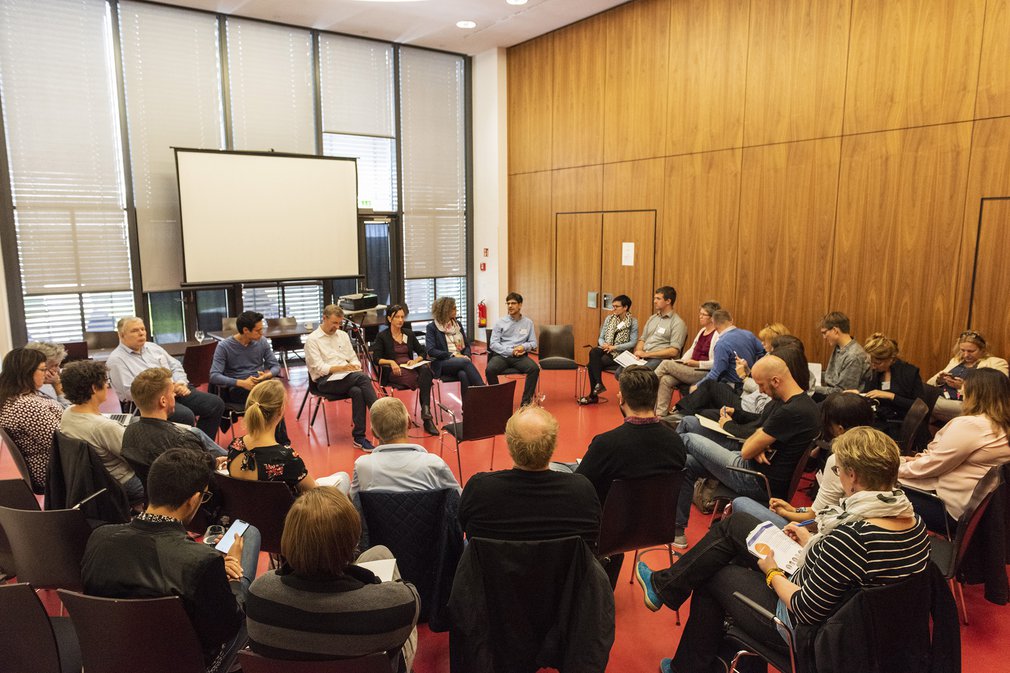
881 347
987 393
970 336
871 454
442 308
264 405
321 533
772 330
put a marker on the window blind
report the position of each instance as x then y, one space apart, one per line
434 163
376 167
356 86
270 78
66 170
172 75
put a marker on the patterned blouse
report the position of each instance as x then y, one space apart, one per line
31 420
271 463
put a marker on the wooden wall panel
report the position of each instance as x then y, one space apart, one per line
636 88
531 244
634 185
993 97
787 214
578 248
708 63
530 96
696 250
912 62
796 70
897 236
580 69
989 309
988 176
577 190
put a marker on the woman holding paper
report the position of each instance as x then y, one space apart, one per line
319 604
399 349
618 334
872 538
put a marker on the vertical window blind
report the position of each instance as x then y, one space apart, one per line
172 76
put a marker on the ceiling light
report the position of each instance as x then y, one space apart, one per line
517 2
466 24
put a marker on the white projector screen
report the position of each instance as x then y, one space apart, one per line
257 217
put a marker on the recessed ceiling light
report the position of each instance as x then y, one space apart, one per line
466 24
517 2
390 0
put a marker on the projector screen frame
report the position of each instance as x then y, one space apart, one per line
359 226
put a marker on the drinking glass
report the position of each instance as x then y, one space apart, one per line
199 335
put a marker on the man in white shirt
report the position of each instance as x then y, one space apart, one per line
336 370
136 354
397 464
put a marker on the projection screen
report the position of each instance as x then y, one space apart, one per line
254 216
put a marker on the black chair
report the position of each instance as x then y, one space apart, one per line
76 350
47 547
34 641
312 390
264 504
422 530
286 344
18 458
15 494
556 348
624 528
724 495
233 411
949 554
257 663
380 377
153 635
486 410
76 473
913 428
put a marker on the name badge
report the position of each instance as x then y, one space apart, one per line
661 330
523 332
622 325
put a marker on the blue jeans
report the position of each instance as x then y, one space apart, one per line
209 445
759 511
707 458
249 561
690 425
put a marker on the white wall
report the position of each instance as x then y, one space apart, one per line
490 183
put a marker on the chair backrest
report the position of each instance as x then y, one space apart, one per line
912 427
75 474
14 493
930 394
17 457
48 546
119 635
100 340
625 528
257 663
264 504
486 410
29 643
556 341
801 466
897 645
76 350
412 525
968 522
197 361
229 324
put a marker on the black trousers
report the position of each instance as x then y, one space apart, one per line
359 388
709 395
710 572
598 361
496 364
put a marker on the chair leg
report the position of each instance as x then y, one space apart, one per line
326 424
960 599
302 408
459 462
315 412
492 450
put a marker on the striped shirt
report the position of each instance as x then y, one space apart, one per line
852 556
289 616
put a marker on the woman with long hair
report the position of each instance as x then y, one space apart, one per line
448 347
963 450
970 352
319 605
256 455
29 417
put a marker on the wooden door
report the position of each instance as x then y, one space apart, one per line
630 237
988 313
578 247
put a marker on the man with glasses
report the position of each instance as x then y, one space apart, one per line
849 365
512 339
136 354
153 556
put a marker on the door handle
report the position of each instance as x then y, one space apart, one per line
607 300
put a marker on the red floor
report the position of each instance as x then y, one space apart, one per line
643 637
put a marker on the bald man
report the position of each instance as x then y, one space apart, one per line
530 501
771 443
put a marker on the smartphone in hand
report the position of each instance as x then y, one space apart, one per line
228 539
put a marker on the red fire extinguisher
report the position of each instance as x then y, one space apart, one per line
482 314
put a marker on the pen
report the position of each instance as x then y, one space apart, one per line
807 522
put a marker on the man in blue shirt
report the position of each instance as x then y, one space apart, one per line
512 338
733 342
243 360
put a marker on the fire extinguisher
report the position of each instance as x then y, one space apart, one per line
482 314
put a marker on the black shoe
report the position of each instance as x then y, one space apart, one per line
592 399
429 426
599 388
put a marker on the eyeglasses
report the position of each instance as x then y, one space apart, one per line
207 495
834 468
972 334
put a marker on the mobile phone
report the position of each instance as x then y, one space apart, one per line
237 528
